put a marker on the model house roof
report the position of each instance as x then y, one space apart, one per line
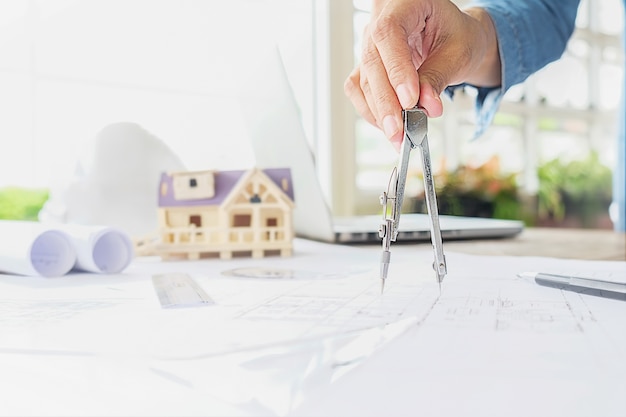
224 183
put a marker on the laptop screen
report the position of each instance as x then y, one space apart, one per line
278 141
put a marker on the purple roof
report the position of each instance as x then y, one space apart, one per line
225 181
277 175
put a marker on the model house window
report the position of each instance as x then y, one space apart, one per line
195 220
242 220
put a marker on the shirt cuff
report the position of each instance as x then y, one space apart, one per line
487 103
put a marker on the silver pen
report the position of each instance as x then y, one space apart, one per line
585 285
415 136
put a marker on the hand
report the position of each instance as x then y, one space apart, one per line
414 49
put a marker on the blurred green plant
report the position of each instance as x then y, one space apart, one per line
580 188
481 191
21 203
571 194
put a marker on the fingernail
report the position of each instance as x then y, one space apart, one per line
390 127
404 96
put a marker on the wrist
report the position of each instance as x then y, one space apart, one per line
487 71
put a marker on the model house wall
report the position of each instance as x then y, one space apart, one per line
225 213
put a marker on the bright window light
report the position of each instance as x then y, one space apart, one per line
69 68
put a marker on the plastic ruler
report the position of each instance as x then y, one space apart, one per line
179 290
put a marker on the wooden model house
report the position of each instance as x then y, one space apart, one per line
225 213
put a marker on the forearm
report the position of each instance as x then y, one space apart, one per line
530 33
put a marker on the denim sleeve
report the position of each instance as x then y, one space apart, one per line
531 34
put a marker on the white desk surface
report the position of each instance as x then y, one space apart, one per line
315 342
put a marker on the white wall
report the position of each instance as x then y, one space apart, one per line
68 68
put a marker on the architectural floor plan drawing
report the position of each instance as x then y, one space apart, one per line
281 329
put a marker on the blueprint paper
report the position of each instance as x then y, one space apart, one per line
30 248
55 385
335 297
311 335
51 250
496 345
99 248
246 351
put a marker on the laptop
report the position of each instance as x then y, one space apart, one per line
278 141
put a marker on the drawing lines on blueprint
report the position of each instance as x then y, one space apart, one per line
511 308
358 306
18 313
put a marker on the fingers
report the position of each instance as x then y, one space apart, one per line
390 39
389 79
380 94
371 94
434 76
430 100
432 37
353 90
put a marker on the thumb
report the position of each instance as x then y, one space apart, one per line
435 74
429 99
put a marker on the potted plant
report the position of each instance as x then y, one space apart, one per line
576 193
477 191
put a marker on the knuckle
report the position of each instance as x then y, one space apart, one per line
396 71
382 98
383 27
369 56
386 102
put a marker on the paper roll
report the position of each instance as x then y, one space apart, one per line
99 249
31 248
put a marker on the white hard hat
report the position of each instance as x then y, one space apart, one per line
115 182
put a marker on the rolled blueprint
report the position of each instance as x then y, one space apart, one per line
30 248
100 249
47 249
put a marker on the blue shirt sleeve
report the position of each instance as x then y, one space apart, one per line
531 34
